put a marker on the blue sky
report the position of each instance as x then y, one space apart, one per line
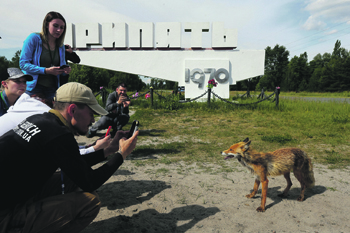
311 26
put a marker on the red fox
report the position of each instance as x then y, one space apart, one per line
278 162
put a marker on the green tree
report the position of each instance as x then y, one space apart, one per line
317 62
337 49
314 83
97 77
298 73
169 85
4 64
316 70
276 62
15 60
157 83
133 81
335 73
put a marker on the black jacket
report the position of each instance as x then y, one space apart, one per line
112 105
32 152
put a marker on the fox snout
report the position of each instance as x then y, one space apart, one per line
230 155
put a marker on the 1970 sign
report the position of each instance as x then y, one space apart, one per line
221 75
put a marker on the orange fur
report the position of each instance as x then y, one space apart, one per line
279 162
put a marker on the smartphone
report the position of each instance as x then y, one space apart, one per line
134 128
64 66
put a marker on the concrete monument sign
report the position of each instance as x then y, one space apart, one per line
155 50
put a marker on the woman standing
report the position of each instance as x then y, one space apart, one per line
43 54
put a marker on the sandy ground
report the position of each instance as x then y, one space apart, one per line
185 198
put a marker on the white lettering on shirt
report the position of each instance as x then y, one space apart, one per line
26 130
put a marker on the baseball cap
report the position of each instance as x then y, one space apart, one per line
15 73
74 92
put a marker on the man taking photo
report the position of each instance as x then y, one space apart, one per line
118 112
35 197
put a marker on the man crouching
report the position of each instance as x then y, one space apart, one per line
36 198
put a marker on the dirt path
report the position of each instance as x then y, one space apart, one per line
185 198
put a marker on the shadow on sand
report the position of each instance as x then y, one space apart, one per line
178 219
120 195
293 194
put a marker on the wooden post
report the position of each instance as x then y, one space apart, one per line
248 87
104 96
209 93
277 92
151 89
262 94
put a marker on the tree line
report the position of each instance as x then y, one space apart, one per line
329 72
93 77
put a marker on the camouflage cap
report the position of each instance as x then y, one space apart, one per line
15 73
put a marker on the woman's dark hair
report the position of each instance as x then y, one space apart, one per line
44 31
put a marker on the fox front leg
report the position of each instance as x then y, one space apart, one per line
264 184
255 189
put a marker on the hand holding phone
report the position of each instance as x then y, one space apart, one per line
64 66
134 128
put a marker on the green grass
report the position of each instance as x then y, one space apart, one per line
282 139
299 94
343 94
196 132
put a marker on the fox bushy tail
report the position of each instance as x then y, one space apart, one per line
308 173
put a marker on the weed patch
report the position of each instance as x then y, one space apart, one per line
335 159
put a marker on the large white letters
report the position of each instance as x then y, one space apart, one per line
89 34
155 50
114 35
168 35
145 35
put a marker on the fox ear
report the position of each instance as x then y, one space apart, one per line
246 140
246 146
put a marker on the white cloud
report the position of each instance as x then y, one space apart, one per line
313 23
331 32
260 23
322 11
20 18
